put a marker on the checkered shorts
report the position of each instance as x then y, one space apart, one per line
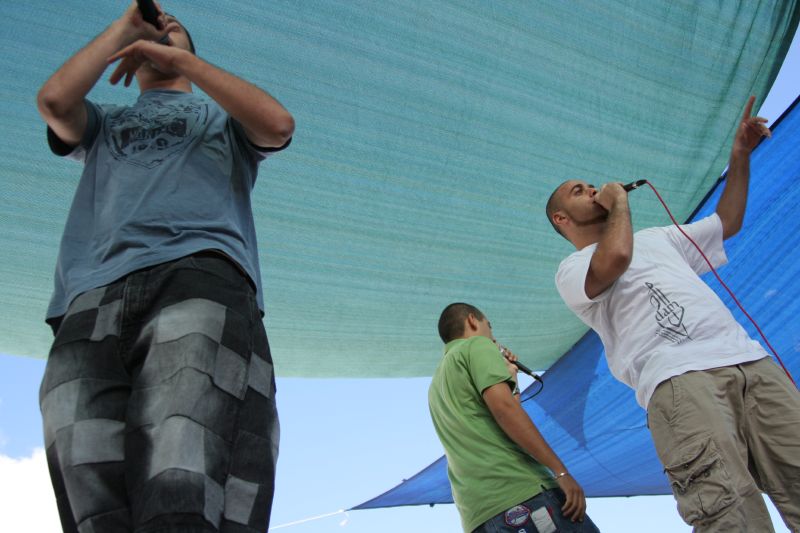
159 404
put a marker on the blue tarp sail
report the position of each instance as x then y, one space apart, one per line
593 421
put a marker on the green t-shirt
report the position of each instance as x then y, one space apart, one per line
488 472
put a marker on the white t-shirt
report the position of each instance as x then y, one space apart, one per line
659 319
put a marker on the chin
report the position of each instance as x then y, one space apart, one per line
151 73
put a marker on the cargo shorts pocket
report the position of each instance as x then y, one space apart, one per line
700 482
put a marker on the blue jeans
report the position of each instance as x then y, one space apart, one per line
158 403
540 514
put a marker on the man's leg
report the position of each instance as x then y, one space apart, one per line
696 423
772 407
83 397
540 514
203 427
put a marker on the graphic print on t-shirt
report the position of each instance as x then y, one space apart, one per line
153 131
669 316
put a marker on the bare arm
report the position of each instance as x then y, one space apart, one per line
732 203
61 98
514 421
266 122
615 248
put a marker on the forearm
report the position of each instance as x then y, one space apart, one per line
266 122
733 201
614 250
66 89
514 421
617 240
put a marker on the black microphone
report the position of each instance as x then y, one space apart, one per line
525 370
522 368
633 185
149 12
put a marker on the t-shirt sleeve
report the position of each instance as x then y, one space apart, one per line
571 281
486 365
94 119
258 153
707 233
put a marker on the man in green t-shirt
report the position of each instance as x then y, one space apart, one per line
504 475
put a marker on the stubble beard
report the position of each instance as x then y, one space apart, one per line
600 218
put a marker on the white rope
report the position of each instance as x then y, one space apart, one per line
312 518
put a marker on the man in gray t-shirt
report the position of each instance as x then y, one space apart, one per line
159 399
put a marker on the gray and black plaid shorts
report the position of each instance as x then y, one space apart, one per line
158 403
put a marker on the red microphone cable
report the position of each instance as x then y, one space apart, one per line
638 183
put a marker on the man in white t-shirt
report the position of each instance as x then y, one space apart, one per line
724 417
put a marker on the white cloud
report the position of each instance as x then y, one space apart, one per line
26 495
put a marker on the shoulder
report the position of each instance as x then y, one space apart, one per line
658 232
575 264
480 346
577 256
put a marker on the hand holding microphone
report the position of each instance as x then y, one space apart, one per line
151 13
513 360
610 193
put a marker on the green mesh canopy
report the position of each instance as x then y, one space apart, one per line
429 137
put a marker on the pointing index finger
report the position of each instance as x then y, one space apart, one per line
748 110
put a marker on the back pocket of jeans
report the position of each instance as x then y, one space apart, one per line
700 481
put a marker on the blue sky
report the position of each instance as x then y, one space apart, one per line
343 441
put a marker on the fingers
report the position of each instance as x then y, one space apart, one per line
171 26
129 77
132 59
116 75
122 53
748 109
126 68
162 17
758 124
575 506
571 508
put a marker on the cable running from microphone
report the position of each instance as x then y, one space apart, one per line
629 187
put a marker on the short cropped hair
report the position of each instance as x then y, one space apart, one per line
451 321
188 35
552 207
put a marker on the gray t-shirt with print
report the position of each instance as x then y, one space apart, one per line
166 177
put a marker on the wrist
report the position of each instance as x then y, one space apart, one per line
185 62
740 152
123 33
620 202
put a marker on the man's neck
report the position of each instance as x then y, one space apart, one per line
588 235
174 84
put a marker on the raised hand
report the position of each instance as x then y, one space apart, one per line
133 56
750 130
509 358
133 26
608 194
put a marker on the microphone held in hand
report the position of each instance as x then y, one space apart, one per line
522 368
149 12
633 185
